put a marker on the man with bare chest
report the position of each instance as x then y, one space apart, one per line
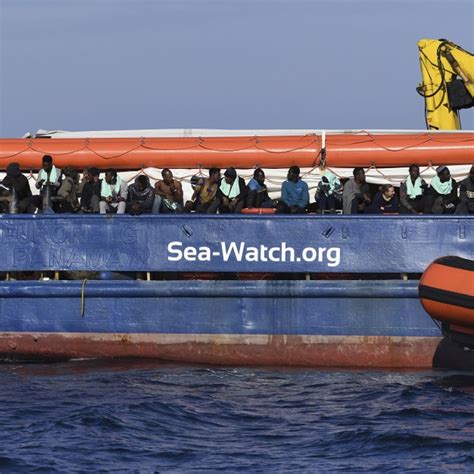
170 192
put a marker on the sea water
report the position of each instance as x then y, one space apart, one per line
147 416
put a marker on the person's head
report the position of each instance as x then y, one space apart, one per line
414 171
293 174
110 176
141 182
13 170
443 173
471 174
388 190
230 175
93 175
47 163
214 175
167 176
70 173
359 175
259 176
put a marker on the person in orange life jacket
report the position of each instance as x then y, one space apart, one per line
413 192
113 193
232 192
257 193
466 194
294 194
385 201
442 196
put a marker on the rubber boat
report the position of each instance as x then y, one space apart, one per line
249 289
447 294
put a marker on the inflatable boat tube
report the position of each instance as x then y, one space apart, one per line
446 291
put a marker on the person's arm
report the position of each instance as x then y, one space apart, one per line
158 190
396 204
463 193
377 206
28 192
404 196
150 198
39 181
284 193
123 191
103 197
65 189
452 197
178 192
86 196
304 201
197 189
243 190
59 179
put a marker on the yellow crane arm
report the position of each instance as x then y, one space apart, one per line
447 71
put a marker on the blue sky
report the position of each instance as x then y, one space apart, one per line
120 64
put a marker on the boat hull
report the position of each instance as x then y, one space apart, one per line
256 350
333 324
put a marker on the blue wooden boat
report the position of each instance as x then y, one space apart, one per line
338 290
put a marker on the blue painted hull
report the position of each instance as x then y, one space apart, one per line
337 323
343 322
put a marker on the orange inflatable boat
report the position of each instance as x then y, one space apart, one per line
447 293
345 150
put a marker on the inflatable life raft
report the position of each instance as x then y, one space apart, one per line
446 291
343 150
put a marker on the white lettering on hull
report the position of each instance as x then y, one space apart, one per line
240 251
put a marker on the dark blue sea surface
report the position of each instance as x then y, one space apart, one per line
146 416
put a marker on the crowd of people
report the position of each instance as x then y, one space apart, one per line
62 191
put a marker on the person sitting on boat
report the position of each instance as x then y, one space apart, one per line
442 195
68 191
48 181
413 192
356 196
205 199
90 197
294 194
113 193
385 201
232 192
257 193
15 180
84 180
329 192
141 196
168 194
466 194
